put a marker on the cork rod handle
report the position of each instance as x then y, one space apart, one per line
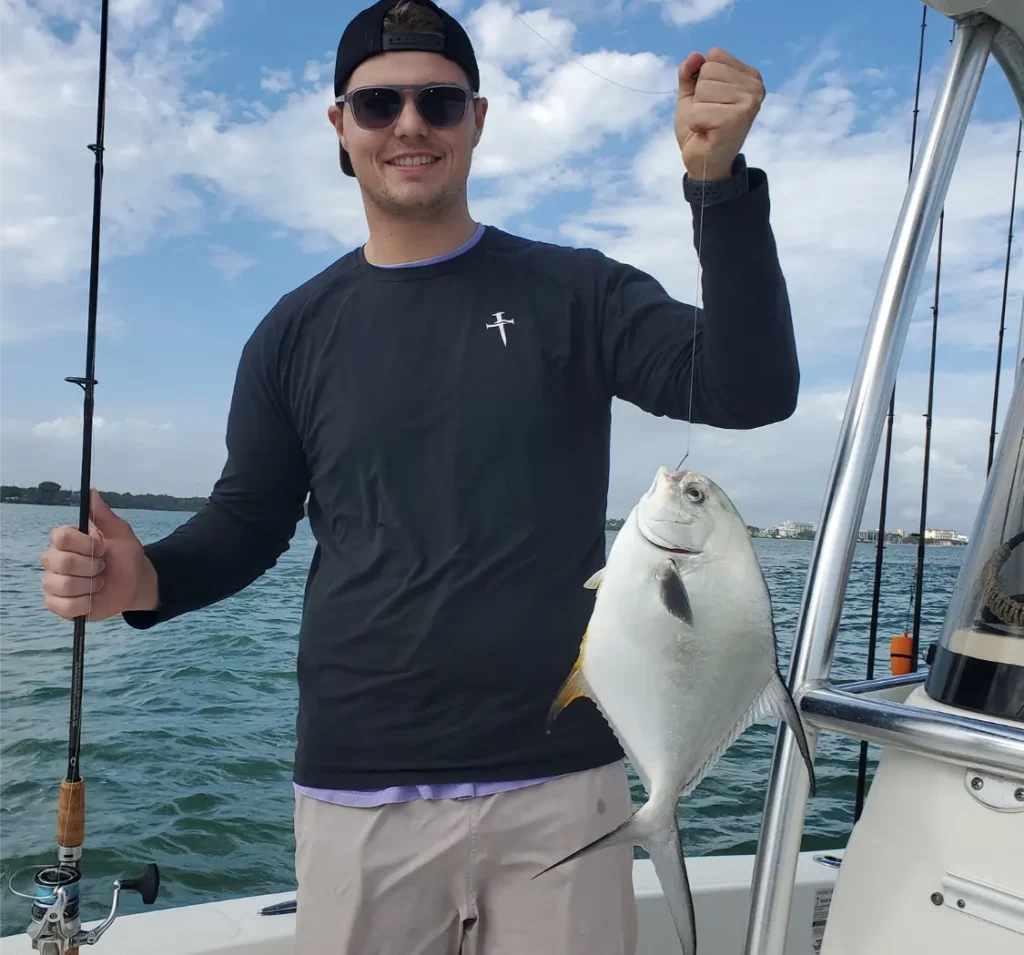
71 814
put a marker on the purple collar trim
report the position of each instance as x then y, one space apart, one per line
465 247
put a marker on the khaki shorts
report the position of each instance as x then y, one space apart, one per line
453 876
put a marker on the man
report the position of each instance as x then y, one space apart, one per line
442 395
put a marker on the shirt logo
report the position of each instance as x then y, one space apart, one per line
499 323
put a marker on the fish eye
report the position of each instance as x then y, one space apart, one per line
695 494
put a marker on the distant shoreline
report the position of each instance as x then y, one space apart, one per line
56 496
51 494
106 498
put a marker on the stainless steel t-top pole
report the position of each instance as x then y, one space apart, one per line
857 448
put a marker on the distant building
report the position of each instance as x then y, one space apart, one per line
946 537
940 537
895 536
794 529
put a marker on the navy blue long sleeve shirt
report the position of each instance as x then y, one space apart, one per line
450 426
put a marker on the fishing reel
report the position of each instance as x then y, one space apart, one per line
56 928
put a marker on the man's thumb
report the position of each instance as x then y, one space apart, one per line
105 520
688 71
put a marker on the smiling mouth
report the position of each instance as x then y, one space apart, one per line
413 161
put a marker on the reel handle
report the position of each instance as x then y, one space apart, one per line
147 884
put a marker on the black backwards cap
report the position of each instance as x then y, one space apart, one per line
364 37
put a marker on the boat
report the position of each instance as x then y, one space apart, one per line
265 925
935 859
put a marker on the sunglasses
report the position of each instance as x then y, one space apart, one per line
378 107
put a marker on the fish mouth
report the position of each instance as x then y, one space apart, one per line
655 541
672 550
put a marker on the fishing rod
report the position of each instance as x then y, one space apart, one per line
1002 310
862 763
56 927
915 637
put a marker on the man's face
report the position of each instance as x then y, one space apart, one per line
380 158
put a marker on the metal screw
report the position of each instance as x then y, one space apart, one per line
977 782
1019 794
936 898
960 903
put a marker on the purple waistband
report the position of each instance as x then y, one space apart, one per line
366 798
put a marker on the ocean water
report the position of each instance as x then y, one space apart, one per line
188 728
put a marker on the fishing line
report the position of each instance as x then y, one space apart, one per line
700 228
696 299
594 72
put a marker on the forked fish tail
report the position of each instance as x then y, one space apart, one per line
654 827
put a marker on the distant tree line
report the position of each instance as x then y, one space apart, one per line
49 492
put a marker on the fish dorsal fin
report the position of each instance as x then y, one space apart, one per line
594 580
574 687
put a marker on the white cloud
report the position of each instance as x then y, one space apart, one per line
834 141
314 70
70 427
277 81
505 37
684 12
568 113
230 262
48 118
191 19
130 15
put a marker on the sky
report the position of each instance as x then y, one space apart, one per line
222 192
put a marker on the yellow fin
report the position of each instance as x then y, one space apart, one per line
594 580
573 688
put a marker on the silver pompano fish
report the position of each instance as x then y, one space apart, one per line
680 657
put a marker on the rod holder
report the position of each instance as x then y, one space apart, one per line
950 737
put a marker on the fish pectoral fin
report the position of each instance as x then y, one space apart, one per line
673 592
574 687
594 580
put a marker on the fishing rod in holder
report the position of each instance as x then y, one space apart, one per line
876 594
1002 310
56 926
